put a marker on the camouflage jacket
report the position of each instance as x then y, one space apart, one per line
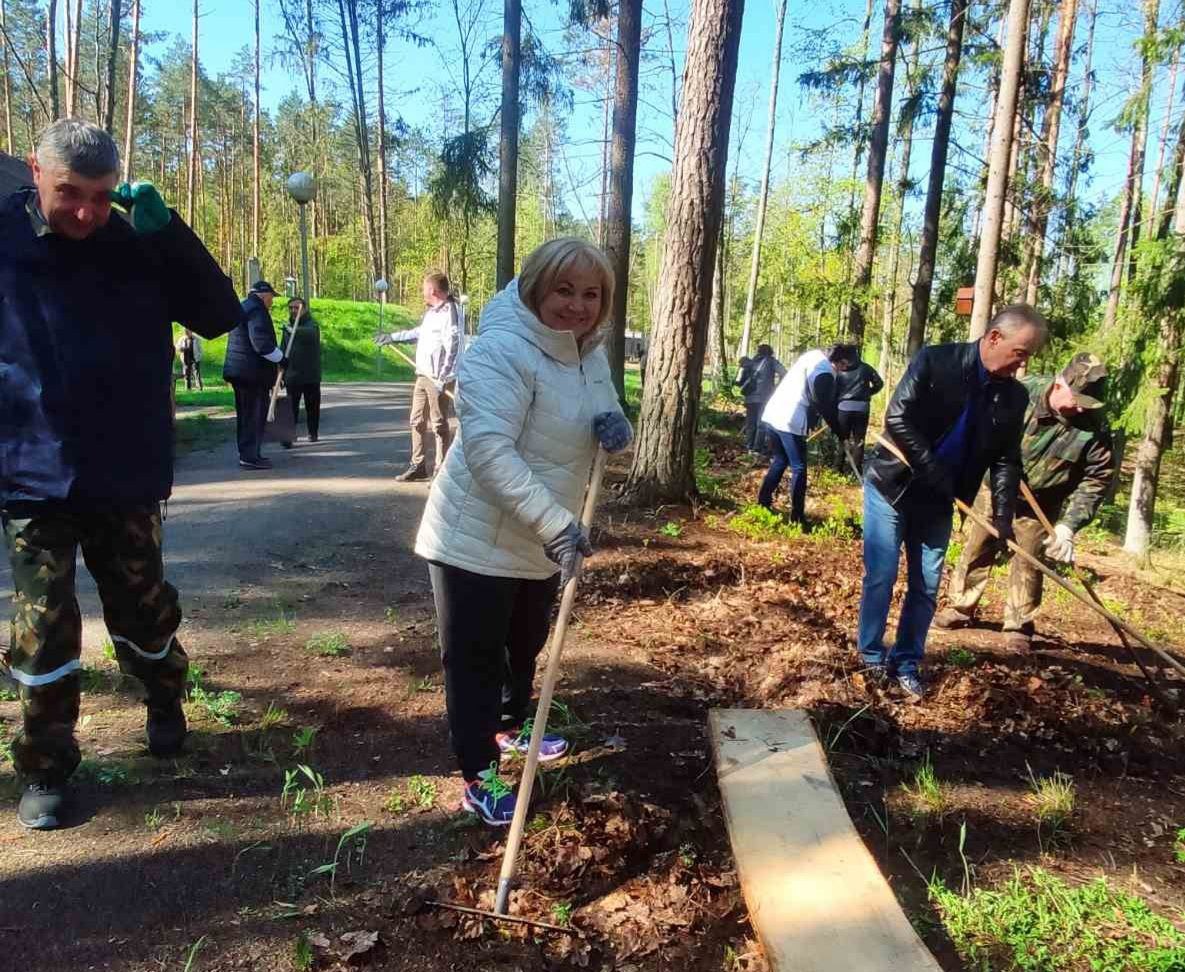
1068 462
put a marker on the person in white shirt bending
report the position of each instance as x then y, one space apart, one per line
438 340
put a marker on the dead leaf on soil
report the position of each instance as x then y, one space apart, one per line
358 945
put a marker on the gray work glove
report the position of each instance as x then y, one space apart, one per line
613 431
382 340
1060 547
566 548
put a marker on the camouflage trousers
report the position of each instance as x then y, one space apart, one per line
122 551
980 554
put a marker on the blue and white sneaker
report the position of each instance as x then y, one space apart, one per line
519 743
912 685
490 797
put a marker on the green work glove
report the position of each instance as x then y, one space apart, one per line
148 211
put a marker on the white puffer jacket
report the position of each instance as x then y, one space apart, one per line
516 474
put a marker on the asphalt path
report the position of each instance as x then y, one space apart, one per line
319 517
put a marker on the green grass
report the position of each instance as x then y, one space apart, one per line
671 529
758 523
1179 846
222 707
1036 922
927 794
328 644
1053 799
281 624
274 716
961 658
418 793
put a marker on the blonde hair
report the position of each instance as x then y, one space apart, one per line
554 258
439 282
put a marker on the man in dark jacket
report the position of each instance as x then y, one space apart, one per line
87 303
757 379
854 389
252 357
302 377
957 413
1069 464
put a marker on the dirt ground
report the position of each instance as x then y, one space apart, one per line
205 860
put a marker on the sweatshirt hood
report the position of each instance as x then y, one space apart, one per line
506 311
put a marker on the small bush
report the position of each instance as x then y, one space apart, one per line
672 529
758 523
328 644
961 658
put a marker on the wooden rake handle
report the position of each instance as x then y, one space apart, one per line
271 405
406 357
523 802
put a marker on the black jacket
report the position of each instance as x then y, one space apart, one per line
86 342
248 343
924 407
857 384
304 353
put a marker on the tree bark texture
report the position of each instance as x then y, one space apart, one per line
255 189
718 319
9 144
662 467
877 150
619 229
51 53
1158 170
1151 16
928 246
1050 129
1082 117
763 197
112 61
191 179
129 132
384 181
998 160
1129 204
512 19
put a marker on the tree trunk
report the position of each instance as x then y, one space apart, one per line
73 44
9 144
129 132
384 181
763 198
112 60
718 321
1050 129
191 182
1154 196
997 186
662 467
353 46
512 18
256 208
905 130
928 247
877 148
619 230
1065 260
1151 16
1129 204
51 54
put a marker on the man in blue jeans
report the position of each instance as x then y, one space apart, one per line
957 413
803 396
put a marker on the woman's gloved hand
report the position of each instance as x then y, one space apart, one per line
564 549
148 211
613 431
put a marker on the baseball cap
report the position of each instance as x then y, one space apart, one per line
1085 375
262 287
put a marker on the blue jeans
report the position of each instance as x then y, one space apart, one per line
923 526
788 450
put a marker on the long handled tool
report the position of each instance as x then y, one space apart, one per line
271 405
1087 586
1114 620
523 801
406 357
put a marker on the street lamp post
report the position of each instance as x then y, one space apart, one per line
302 187
380 287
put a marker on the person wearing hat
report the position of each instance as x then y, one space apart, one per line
252 357
1069 464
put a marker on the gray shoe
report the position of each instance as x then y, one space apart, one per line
41 806
950 618
912 685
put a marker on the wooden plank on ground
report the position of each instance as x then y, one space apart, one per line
816 897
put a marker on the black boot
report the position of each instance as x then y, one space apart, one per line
166 728
412 474
41 806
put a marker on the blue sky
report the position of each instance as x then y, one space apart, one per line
416 76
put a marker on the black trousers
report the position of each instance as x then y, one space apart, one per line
854 425
491 631
312 405
251 402
755 433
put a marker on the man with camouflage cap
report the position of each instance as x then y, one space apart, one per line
1069 465
87 301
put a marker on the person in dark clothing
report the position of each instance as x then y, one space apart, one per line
86 343
757 379
854 389
302 377
957 413
252 358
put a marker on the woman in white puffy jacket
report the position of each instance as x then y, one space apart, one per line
501 528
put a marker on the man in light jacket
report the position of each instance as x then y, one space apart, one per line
438 342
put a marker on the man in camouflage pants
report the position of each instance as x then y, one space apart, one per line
86 455
1069 465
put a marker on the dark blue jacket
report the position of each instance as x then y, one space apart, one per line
86 348
252 338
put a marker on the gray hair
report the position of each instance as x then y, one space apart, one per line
79 146
1016 317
